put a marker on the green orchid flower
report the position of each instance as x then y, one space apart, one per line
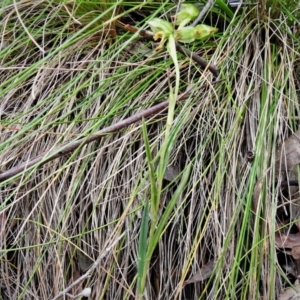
189 34
162 30
202 31
187 13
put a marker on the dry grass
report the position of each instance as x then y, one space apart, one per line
58 218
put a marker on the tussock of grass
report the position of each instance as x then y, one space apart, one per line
67 76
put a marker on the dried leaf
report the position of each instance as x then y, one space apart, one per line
293 192
84 261
290 268
171 172
203 273
288 154
287 159
292 293
287 241
296 252
290 241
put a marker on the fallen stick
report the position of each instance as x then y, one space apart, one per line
73 145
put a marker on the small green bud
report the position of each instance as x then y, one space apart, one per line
202 31
187 13
185 34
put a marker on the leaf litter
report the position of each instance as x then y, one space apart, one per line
287 159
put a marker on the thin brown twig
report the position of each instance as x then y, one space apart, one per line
198 59
73 145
